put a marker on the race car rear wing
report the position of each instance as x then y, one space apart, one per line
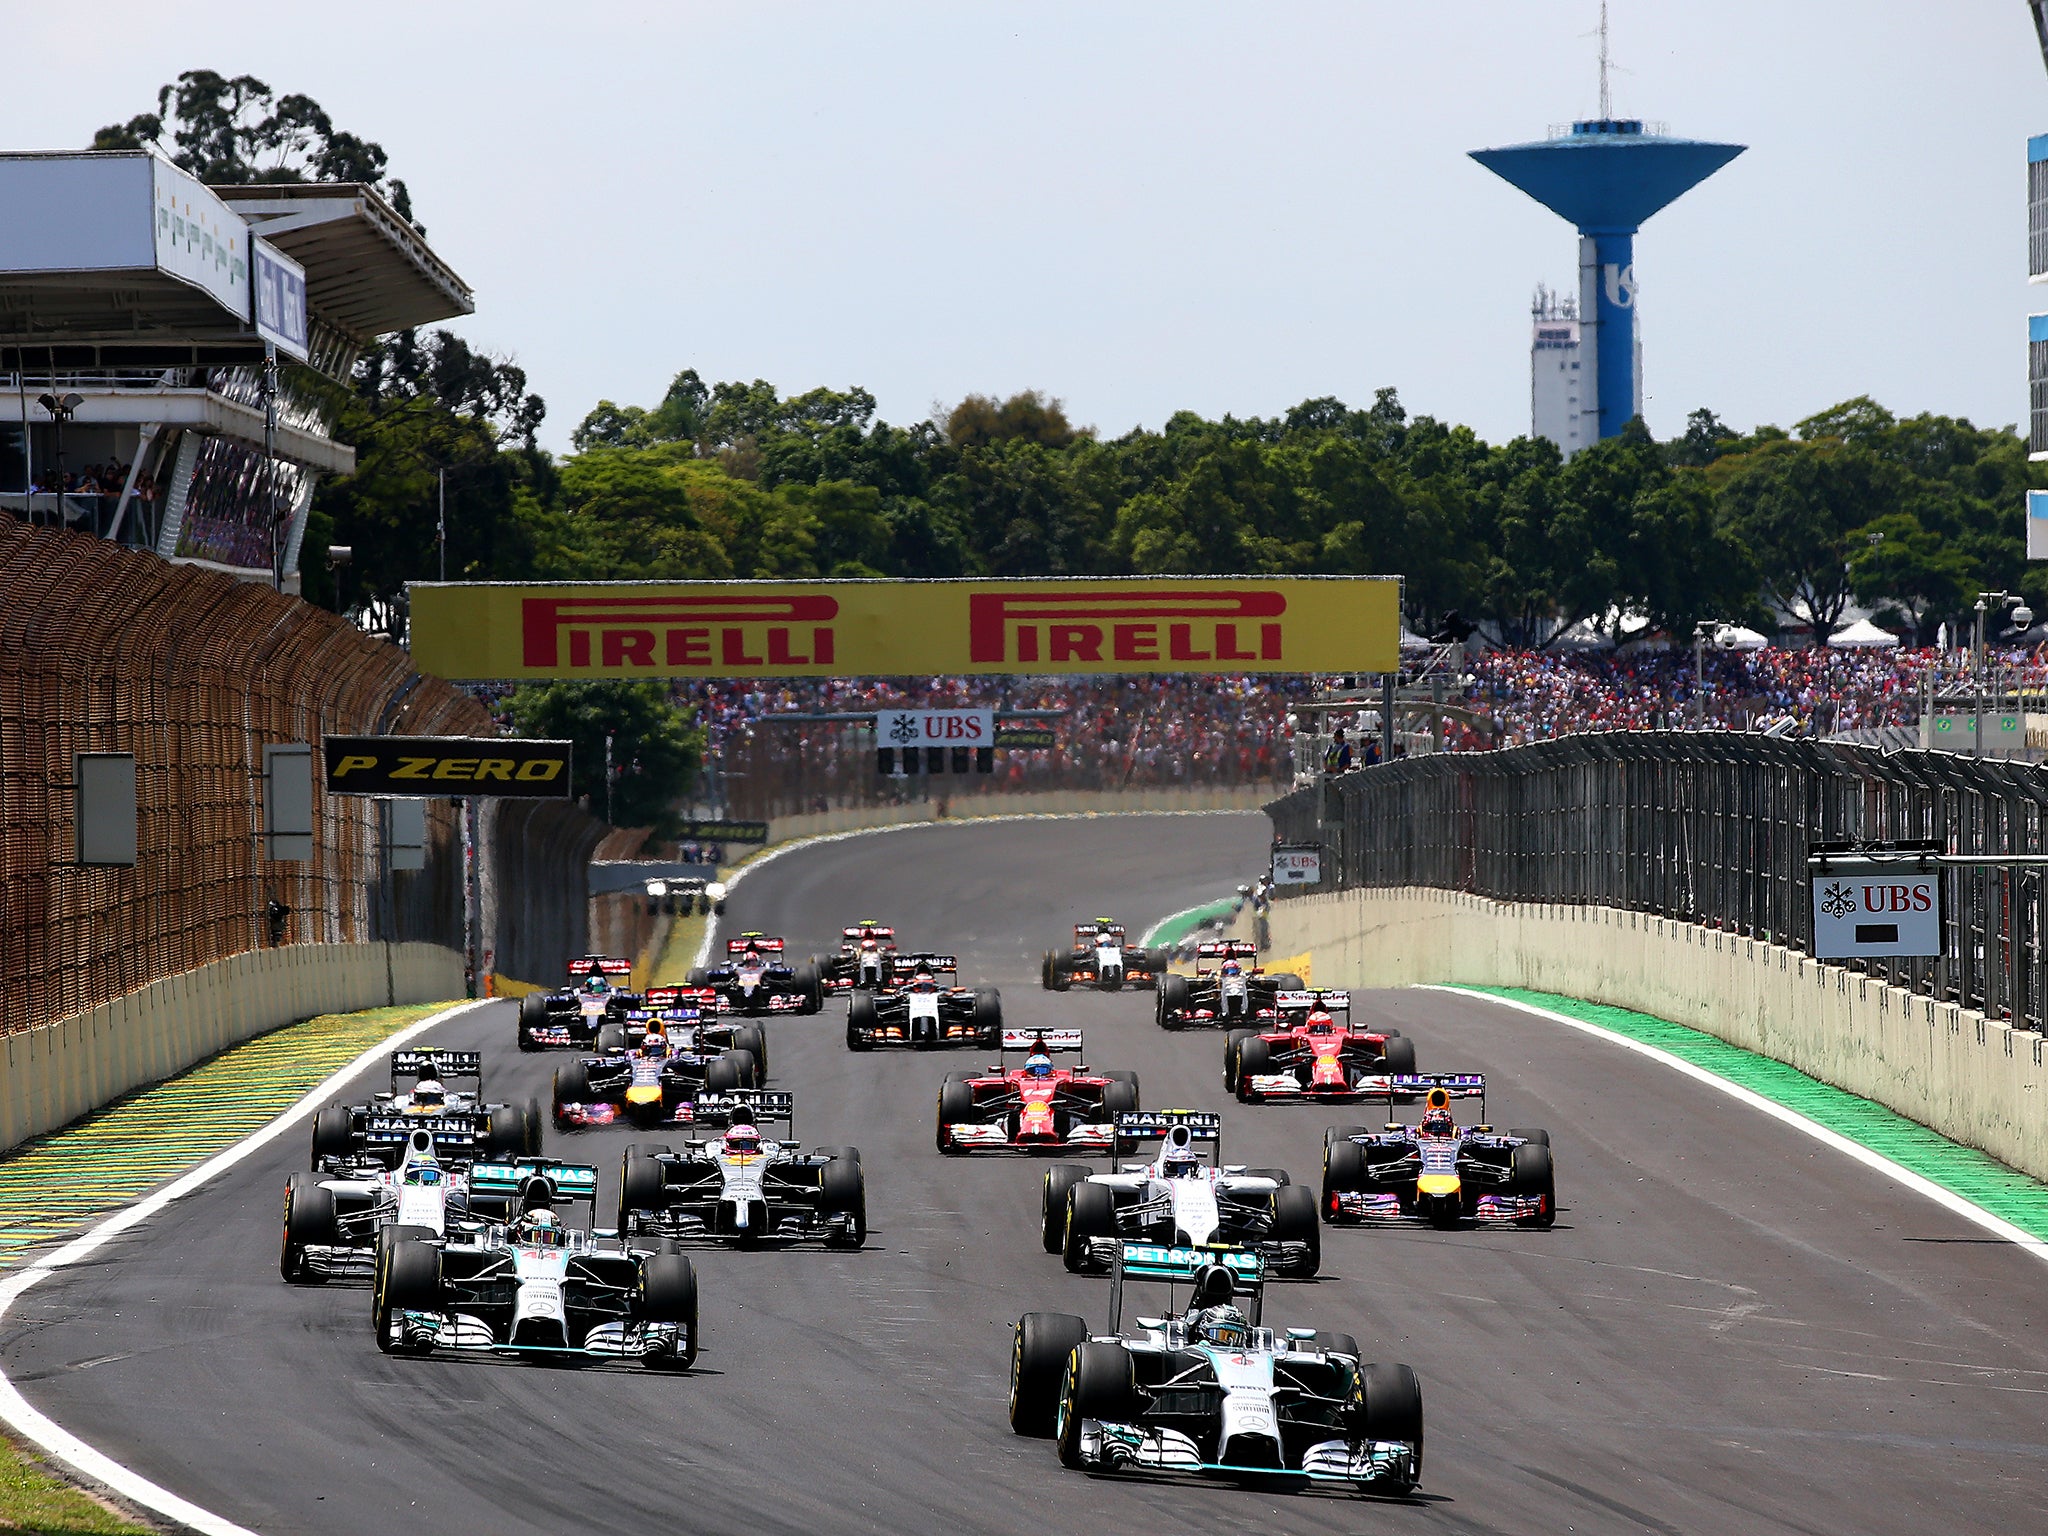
412 1065
1409 1086
600 965
659 998
456 1137
872 932
1134 1127
1173 1266
1312 999
910 965
1041 1039
745 942
506 1179
1083 932
1223 949
767 1107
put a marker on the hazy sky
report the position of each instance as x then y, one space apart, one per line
1142 208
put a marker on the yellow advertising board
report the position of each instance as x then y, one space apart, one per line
503 630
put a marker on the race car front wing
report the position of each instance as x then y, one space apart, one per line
1375 1205
1111 1446
978 1136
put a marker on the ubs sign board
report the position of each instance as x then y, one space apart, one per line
1858 915
1298 865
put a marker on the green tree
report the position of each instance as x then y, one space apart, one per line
656 747
1898 563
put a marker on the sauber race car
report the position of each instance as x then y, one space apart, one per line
577 1015
1439 1171
1208 1389
1178 1197
919 1010
538 1286
659 1081
462 1125
1225 989
1307 1052
1035 1107
1100 958
866 958
743 1187
755 979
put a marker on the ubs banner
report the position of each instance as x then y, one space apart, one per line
489 631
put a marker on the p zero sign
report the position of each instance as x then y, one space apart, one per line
431 766
484 631
1872 912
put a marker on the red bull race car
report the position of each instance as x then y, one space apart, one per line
755 979
1307 1052
574 1016
1439 1171
1035 1107
660 1080
866 959
919 1010
1227 988
1100 958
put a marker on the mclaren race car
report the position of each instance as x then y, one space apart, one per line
920 1011
1308 1052
743 1187
537 1285
755 979
575 1016
462 1125
1179 1197
1100 958
866 958
1207 1388
659 1081
1438 1171
1035 1106
1227 988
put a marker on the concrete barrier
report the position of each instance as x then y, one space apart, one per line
1976 1081
1063 802
52 1075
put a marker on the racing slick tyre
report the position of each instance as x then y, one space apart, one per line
333 1132
408 1280
1279 1176
956 1107
1091 1212
1100 1384
308 1221
812 985
1393 1407
514 1130
1058 978
1335 1343
611 1040
1294 1221
1337 1133
1120 1094
1038 1369
1541 1138
752 1037
988 1018
850 1154
1343 1173
1287 981
861 1020
533 1012
668 1294
572 1086
398 1233
1254 1058
1231 1042
1172 1000
1401 1057
640 1185
746 1066
843 1190
694 977
1533 1174
1052 1204
722 1075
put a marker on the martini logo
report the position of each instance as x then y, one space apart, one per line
1108 625
1621 284
718 635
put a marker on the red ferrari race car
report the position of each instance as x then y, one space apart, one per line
1036 1107
1308 1054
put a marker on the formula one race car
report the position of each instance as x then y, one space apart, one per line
1035 1107
1225 989
1177 1198
1306 1053
919 1011
659 1081
755 979
866 958
1438 1171
462 1125
1100 958
1209 1389
743 1187
577 1014
538 1286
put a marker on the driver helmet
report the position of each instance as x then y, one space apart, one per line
1230 968
1038 1064
924 986
654 1046
1320 1023
743 1138
1223 1327
428 1093
1182 1162
596 983
541 1228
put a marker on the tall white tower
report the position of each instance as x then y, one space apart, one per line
1561 405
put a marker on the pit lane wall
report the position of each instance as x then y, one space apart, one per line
1972 1079
53 1074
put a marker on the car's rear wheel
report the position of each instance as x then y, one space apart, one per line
1120 1093
1541 1138
1287 981
861 1020
640 1185
611 1040
812 986
1279 1176
572 1086
988 1018
1172 1000
722 1075
533 1014
753 1038
1038 1368
1343 1172
1091 1213
1337 1133
1052 1203
1400 1057
333 1132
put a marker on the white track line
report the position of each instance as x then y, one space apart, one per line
1947 1198
95 1466
1145 939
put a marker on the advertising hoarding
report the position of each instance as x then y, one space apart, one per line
199 239
430 766
278 298
935 728
1865 914
1298 866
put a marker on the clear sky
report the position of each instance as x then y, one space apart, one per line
1147 207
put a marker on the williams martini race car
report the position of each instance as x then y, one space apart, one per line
575 1017
1100 958
743 1187
538 1286
755 979
1207 1388
1179 1197
1438 1171
1307 1052
920 1011
1036 1106
659 1081
1225 989
866 958
463 1127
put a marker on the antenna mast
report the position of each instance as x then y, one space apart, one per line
1606 105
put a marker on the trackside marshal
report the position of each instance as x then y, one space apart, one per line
492 630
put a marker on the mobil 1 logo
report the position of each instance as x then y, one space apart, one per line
1864 915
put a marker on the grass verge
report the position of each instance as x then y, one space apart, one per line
35 1500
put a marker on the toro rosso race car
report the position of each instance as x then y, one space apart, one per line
866 958
1206 1388
462 1126
1308 1053
659 1081
575 1016
1035 1107
1100 958
755 979
1225 989
920 1011
537 1286
1438 1171
743 1187
1177 1198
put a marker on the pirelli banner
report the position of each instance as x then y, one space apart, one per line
489 631
431 766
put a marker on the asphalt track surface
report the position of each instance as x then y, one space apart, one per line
1731 1328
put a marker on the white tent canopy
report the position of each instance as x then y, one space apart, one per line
1736 637
1863 636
